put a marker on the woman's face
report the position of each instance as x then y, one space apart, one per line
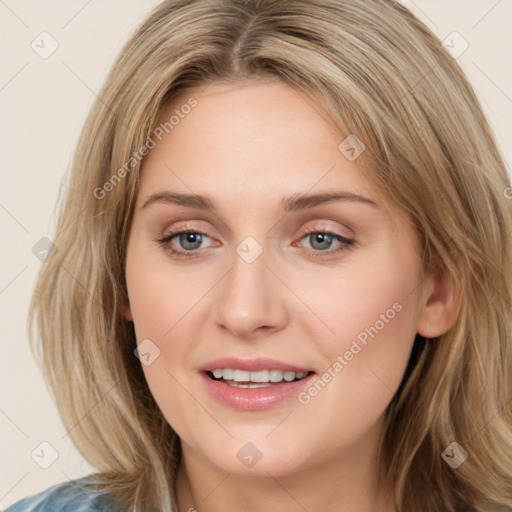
274 335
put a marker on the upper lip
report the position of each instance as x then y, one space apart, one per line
251 365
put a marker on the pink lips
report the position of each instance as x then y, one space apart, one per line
253 399
251 365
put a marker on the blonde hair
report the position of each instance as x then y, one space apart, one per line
383 76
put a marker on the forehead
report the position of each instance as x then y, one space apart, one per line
256 138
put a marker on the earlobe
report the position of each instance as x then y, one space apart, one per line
440 307
127 313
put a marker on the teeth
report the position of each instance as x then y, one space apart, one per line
262 376
289 376
251 385
228 374
218 373
276 375
239 375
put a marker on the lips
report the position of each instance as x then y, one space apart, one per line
252 365
254 384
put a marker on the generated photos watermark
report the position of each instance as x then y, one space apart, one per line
173 121
343 360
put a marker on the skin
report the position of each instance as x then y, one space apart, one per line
246 146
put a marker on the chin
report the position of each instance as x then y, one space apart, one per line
257 457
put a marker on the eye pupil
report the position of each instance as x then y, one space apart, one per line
190 238
323 238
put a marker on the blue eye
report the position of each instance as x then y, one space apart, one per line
189 242
322 240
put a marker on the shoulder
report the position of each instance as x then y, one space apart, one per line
73 495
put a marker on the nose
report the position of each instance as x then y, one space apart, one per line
251 300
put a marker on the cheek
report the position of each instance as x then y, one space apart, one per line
164 303
161 296
376 296
371 314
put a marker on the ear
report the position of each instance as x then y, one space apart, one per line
127 312
440 306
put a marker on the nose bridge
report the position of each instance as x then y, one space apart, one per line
250 297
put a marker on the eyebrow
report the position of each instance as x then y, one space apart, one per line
289 204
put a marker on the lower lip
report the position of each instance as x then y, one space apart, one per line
254 399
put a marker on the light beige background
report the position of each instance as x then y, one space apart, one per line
43 104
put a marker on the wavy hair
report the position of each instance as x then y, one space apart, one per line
382 75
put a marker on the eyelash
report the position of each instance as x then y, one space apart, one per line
346 243
164 240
